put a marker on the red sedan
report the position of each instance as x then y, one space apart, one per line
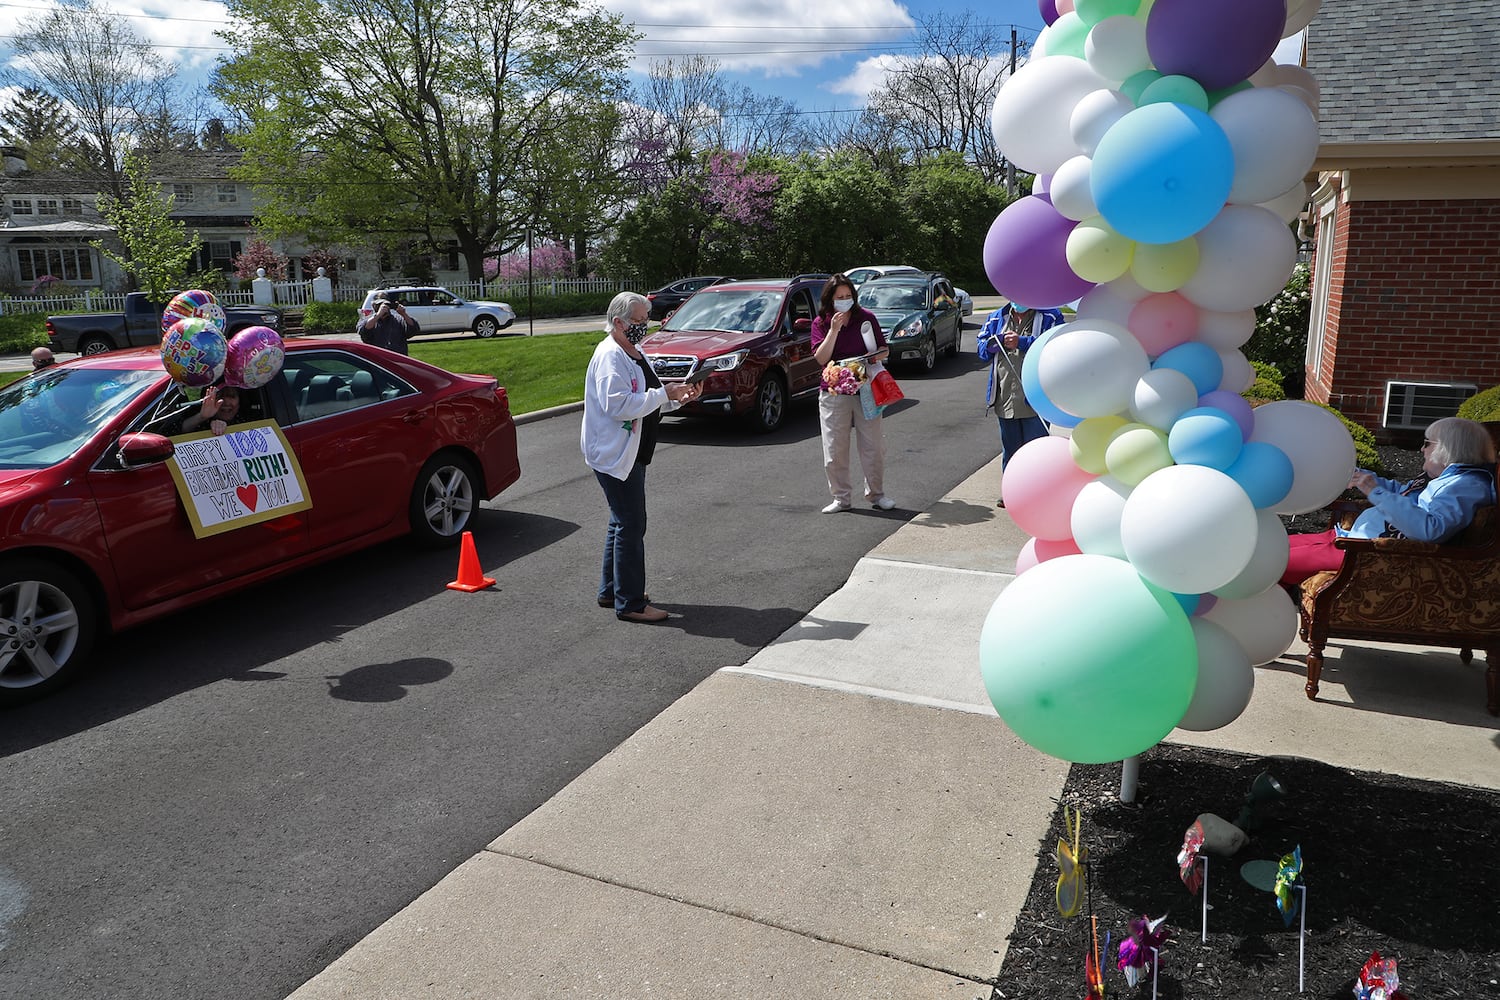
105 522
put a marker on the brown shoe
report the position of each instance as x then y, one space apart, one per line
646 616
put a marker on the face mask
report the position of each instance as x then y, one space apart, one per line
843 305
635 332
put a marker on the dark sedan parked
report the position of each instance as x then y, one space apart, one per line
668 297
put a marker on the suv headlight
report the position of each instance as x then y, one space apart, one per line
911 328
726 362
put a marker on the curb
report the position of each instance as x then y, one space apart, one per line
551 411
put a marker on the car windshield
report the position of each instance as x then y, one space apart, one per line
893 298
47 417
737 309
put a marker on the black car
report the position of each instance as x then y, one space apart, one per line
668 297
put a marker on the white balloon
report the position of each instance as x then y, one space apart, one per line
1089 367
1299 14
1266 564
1161 396
1225 331
1245 256
1095 114
1308 98
1321 450
1274 138
1096 517
1039 47
1292 75
1031 112
1041 183
1290 203
1116 47
1071 194
1226 680
1111 301
1266 75
1264 625
1188 528
1238 375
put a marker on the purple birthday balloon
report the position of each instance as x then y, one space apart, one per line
1216 42
1025 254
1048 10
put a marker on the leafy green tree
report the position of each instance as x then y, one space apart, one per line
832 212
416 118
949 207
38 123
157 250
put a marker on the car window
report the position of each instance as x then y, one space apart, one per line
893 297
746 310
320 384
440 297
860 276
802 305
46 417
174 403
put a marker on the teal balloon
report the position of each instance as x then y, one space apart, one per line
1215 96
1197 361
1175 90
1066 36
1086 661
1136 84
1094 11
1031 385
1161 173
1205 435
1264 472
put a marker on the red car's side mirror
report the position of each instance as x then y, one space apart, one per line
802 325
144 448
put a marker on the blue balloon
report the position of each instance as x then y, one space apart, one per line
1264 472
1162 172
1207 436
1197 361
1031 385
1189 602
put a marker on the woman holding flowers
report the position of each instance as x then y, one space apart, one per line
843 332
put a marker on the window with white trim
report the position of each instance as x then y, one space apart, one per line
21 206
1321 279
184 194
70 263
72 206
47 206
229 194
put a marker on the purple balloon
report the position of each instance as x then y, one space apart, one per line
1216 42
1025 254
1048 10
1232 403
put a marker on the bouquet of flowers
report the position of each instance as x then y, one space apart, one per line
843 377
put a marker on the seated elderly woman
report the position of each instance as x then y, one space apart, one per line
1458 477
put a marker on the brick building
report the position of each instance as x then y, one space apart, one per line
1406 216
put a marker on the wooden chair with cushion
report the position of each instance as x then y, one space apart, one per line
1400 590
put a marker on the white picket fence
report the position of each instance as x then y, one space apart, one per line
299 293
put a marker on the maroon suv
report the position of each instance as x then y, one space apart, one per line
754 338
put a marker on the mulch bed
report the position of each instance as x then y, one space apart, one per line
1407 868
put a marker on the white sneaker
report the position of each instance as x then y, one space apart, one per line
883 503
836 507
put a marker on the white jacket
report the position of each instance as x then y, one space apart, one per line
615 400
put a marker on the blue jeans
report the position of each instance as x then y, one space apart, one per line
624 574
1016 431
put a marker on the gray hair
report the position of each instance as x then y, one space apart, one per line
620 307
1461 442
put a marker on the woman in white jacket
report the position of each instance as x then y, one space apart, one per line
623 401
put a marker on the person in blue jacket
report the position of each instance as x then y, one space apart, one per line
1458 477
1006 337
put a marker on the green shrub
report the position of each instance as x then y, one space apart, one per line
568 304
1265 390
20 332
1280 338
1484 405
1270 373
1365 455
330 317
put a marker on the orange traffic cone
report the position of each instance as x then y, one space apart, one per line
470 576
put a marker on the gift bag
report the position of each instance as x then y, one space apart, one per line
867 401
884 388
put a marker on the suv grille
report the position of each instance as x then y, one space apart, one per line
667 366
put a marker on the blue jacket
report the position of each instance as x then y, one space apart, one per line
1004 392
1444 508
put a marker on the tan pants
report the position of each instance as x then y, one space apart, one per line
836 416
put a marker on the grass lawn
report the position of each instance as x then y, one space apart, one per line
537 372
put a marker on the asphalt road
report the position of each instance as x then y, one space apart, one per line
241 792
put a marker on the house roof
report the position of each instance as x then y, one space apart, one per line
76 227
1413 71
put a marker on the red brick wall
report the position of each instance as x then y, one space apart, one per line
1415 296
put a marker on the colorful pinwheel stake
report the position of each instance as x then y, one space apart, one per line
1288 874
1139 954
1378 980
1093 967
1070 861
1187 858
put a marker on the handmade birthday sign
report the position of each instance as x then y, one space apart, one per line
245 476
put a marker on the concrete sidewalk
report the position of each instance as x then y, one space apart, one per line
844 815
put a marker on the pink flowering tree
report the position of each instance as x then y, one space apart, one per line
257 255
736 194
548 260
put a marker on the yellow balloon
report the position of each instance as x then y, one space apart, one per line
1096 252
1164 267
1090 438
1135 451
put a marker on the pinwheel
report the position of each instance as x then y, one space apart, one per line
1187 858
1070 859
1136 954
1288 874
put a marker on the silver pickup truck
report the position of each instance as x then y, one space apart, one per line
138 326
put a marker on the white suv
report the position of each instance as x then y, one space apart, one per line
438 310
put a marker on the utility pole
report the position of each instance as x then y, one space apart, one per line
1010 168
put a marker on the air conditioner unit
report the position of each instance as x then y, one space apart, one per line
1414 405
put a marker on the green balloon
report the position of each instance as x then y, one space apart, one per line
1135 84
1215 96
1066 36
1175 90
1135 451
1094 11
1091 694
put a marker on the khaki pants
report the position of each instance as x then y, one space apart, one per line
837 415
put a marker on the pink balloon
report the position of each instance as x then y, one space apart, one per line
1040 484
1039 550
1233 404
1161 322
1025 254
